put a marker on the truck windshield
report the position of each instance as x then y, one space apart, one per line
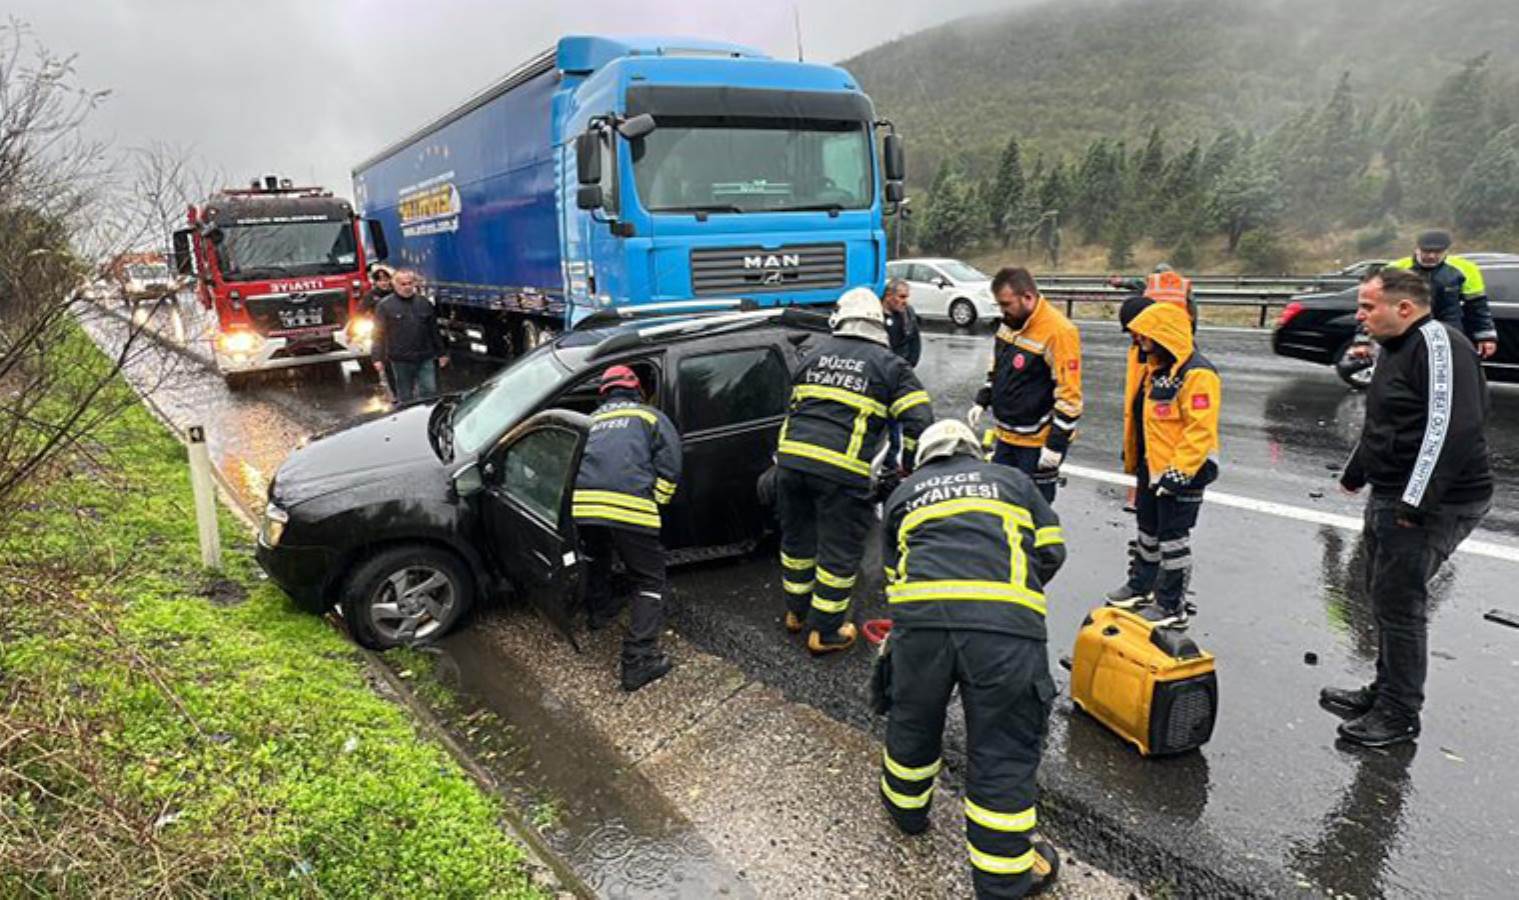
286 248
502 401
737 165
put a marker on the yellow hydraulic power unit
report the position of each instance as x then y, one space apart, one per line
1152 686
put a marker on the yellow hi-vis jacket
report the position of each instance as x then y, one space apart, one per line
1170 420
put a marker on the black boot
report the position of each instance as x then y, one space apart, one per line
1046 867
1382 727
640 672
1348 702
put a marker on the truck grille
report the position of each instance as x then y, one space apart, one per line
276 314
756 270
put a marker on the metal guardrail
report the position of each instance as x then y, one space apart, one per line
1260 293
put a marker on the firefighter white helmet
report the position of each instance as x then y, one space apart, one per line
859 303
947 437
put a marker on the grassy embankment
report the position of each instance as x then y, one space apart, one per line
166 732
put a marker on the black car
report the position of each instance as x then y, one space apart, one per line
1321 327
405 519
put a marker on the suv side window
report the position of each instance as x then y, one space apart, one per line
536 471
718 390
585 394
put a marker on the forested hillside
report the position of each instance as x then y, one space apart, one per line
1202 123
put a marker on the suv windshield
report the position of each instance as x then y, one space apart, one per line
286 248
732 164
960 271
505 398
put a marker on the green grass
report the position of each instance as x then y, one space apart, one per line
154 743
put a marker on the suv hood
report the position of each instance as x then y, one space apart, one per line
359 453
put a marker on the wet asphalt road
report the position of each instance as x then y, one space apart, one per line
1271 803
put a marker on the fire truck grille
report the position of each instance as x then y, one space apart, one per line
277 314
755 270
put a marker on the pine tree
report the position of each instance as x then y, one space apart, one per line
950 223
1005 204
1183 198
1456 124
1097 190
1248 196
1488 195
1148 172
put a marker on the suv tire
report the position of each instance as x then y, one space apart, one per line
962 313
406 595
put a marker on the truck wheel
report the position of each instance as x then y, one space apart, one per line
1354 372
406 595
532 335
963 313
237 382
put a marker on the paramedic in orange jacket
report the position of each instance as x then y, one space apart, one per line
1171 444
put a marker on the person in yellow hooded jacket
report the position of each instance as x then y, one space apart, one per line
1170 430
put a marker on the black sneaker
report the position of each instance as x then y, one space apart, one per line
1350 702
1125 597
1381 727
1046 867
645 671
1164 617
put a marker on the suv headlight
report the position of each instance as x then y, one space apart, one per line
273 527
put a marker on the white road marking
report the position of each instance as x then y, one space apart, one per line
1287 511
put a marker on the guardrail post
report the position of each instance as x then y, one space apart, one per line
204 490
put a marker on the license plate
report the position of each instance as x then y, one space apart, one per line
300 318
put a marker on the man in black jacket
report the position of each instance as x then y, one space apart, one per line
907 342
1423 450
406 338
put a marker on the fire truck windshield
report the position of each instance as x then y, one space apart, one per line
286 248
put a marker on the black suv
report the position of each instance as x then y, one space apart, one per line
1321 327
404 519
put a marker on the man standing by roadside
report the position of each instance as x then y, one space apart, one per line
1457 294
1423 450
406 338
907 342
1034 386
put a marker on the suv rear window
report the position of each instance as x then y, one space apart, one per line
718 390
1502 284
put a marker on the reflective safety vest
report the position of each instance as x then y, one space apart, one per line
970 544
1169 287
630 467
1457 295
843 395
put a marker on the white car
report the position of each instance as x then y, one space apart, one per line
947 289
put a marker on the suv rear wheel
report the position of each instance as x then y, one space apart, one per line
406 595
963 313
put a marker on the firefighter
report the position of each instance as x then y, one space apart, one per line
846 391
969 547
1170 428
1034 384
629 470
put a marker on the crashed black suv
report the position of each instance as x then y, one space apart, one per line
406 519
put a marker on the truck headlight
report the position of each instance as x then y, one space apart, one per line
274 523
240 342
361 328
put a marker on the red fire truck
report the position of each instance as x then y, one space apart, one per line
282 269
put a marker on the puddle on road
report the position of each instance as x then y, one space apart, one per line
614 829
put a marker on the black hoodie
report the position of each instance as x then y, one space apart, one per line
1424 440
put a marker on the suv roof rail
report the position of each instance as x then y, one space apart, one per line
791 317
616 315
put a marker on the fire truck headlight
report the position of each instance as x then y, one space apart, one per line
239 343
361 329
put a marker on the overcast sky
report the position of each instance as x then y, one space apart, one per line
308 88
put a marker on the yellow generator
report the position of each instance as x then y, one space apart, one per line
1152 686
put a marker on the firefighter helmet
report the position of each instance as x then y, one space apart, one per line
947 437
619 377
858 304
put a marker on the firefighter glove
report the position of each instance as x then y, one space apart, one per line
1050 460
973 415
1171 482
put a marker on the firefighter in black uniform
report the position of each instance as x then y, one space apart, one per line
845 392
969 547
629 470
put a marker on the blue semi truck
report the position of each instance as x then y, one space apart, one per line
650 172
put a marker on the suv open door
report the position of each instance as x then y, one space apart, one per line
528 479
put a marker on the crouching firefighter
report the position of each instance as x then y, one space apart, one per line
844 393
1170 427
969 547
629 470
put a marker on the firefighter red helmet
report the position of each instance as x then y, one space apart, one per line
619 377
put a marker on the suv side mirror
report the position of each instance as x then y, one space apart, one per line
636 127
377 239
588 158
471 479
894 159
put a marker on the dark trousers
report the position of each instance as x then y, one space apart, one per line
414 380
643 556
1399 563
1006 692
1161 557
1026 459
823 528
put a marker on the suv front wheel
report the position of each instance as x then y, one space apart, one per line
963 313
406 595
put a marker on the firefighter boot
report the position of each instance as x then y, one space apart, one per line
1046 867
842 639
637 673
1348 702
795 623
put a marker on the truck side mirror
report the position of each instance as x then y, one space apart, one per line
636 127
377 239
894 192
588 158
184 261
215 235
896 162
588 196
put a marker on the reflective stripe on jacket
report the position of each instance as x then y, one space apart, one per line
842 396
1034 384
630 467
1457 295
970 544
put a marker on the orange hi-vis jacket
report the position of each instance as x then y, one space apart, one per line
1034 385
1171 413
